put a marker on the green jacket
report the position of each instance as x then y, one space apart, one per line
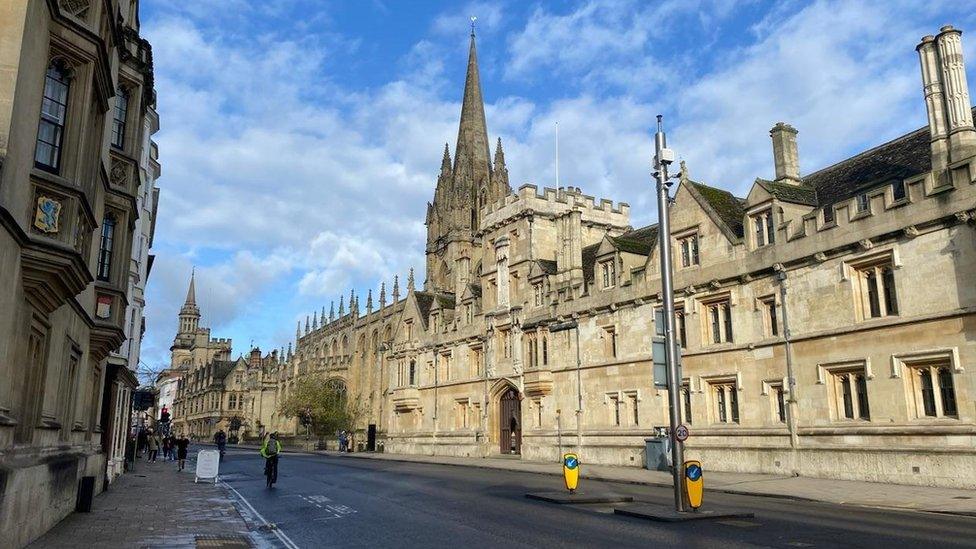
264 448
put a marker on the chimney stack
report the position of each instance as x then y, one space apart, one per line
946 92
785 156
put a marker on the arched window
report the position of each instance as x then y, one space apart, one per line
413 373
105 248
119 116
54 112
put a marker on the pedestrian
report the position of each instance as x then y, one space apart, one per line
167 445
220 439
153 447
182 444
141 441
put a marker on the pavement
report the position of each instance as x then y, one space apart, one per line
841 492
155 506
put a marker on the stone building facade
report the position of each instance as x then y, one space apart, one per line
212 390
75 92
532 333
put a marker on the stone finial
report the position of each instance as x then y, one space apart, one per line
331 311
410 285
298 330
369 301
499 155
382 294
684 172
289 351
446 162
396 288
323 316
342 308
306 324
315 320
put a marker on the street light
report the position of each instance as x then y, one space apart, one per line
663 157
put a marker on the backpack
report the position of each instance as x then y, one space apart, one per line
272 448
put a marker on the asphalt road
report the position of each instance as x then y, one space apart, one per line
329 501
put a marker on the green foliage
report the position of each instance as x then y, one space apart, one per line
323 405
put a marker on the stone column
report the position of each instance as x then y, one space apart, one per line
959 116
462 268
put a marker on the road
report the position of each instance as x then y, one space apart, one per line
328 501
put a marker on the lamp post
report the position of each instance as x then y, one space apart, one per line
663 157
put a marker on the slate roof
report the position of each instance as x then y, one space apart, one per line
787 192
906 156
424 301
589 260
727 207
638 241
475 289
446 301
547 266
223 368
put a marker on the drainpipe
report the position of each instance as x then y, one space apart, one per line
436 368
791 422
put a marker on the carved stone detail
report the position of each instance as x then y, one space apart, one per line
911 231
865 244
119 175
78 8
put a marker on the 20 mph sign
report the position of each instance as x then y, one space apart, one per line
681 433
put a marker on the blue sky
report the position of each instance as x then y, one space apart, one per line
301 140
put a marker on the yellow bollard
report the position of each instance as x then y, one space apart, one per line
694 483
571 471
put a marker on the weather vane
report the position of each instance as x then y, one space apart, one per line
473 19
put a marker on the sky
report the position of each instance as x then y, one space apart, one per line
301 140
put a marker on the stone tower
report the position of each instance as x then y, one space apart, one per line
464 189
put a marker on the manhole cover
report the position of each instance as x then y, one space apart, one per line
224 542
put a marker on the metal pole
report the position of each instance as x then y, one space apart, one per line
791 423
662 158
579 397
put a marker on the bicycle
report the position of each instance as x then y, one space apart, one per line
271 469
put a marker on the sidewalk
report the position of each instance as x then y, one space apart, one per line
155 506
845 492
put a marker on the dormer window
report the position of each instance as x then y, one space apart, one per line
763 224
863 204
609 270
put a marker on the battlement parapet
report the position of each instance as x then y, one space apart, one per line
554 202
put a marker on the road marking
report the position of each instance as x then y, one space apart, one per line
739 523
278 533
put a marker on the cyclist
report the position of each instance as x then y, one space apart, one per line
269 451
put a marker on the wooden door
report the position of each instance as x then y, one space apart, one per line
510 423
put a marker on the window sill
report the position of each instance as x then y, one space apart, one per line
861 215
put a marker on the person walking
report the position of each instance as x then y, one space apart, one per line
220 439
153 447
167 446
182 445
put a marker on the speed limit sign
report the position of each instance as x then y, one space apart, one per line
681 433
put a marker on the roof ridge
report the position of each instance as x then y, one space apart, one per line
866 152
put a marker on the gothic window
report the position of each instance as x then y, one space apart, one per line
828 214
413 373
118 118
877 289
726 401
686 402
105 248
898 190
54 108
933 389
850 394
863 203
770 324
689 250
719 321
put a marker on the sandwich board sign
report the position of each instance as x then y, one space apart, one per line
208 465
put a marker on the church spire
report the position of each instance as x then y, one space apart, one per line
472 142
191 292
446 162
189 312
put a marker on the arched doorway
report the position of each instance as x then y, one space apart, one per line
510 422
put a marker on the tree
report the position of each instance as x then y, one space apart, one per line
323 405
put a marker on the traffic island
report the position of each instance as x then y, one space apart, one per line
565 497
661 513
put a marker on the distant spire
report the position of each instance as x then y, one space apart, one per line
369 301
396 288
323 316
410 280
289 350
191 292
298 331
331 311
315 320
306 324
382 294
342 308
499 155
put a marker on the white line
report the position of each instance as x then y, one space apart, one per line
277 532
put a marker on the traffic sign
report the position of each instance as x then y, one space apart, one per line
694 483
681 433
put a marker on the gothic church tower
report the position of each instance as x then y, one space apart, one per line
464 190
